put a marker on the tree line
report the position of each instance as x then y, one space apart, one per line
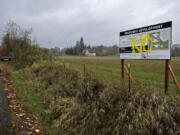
80 48
18 44
175 52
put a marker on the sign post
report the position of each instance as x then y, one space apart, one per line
122 69
166 76
129 78
5 59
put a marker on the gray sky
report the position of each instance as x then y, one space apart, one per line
62 22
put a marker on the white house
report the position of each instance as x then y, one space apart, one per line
90 53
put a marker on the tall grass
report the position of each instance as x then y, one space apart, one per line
68 101
151 72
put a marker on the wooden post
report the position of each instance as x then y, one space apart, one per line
122 69
132 79
84 69
166 76
64 66
173 75
5 74
84 79
129 78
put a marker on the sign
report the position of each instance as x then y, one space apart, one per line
150 42
5 58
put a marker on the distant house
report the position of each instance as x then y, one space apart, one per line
90 52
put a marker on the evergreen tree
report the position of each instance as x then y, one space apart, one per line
82 46
77 48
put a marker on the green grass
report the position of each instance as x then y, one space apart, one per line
32 102
151 72
31 90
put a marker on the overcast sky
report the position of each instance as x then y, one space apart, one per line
62 22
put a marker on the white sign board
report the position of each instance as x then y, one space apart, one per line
151 42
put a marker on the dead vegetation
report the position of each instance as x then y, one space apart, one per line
87 104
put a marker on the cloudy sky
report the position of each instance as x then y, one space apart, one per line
62 22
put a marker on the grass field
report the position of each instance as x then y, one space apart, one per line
59 97
149 72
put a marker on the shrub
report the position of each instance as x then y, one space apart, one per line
78 105
17 43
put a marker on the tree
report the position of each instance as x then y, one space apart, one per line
115 49
17 44
56 51
110 51
89 46
175 52
77 48
82 46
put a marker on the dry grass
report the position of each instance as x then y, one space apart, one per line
150 72
74 103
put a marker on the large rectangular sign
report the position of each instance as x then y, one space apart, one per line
151 42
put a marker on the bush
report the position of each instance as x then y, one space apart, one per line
78 105
17 43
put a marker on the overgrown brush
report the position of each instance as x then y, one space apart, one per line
18 44
83 104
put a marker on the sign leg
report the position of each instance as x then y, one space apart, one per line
166 76
122 69
174 77
129 78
